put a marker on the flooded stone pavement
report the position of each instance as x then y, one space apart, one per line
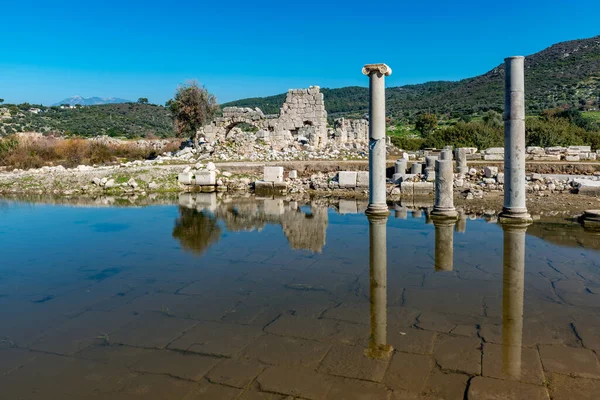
273 299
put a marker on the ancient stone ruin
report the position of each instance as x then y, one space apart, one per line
302 119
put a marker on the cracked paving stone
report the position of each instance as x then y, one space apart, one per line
236 373
186 366
209 391
279 350
410 340
459 353
295 381
158 387
352 362
505 362
350 389
442 385
11 359
152 331
408 372
216 339
564 387
482 388
570 361
304 328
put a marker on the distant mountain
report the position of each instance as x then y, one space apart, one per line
90 101
566 73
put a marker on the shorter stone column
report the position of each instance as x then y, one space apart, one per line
399 170
430 168
444 243
416 168
446 154
461 160
444 189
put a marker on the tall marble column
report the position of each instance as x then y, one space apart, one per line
513 286
515 191
377 149
444 189
378 347
444 243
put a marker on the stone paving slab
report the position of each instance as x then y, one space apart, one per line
498 364
279 350
216 339
295 381
157 387
192 367
350 389
304 328
408 372
482 388
152 331
410 340
209 391
352 362
570 361
12 359
236 373
564 387
442 385
458 353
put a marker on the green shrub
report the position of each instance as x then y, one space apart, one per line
408 143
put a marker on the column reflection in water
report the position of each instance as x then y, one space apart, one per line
513 281
378 347
444 243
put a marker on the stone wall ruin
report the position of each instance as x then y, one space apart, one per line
302 119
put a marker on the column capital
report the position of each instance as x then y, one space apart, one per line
382 69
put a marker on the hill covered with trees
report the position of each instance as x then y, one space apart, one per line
131 120
565 74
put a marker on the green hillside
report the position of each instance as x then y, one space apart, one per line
566 73
126 119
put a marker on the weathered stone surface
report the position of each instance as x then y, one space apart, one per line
458 353
352 362
526 369
350 389
347 179
206 178
281 350
570 361
209 391
563 387
495 389
186 366
236 373
151 331
408 372
185 178
491 172
423 187
293 174
411 340
442 385
216 339
493 157
295 381
263 188
273 174
362 179
303 327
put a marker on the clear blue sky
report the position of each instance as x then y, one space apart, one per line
130 48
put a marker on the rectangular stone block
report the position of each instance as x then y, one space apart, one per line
407 188
423 187
273 174
494 150
493 157
579 149
347 179
280 187
293 174
263 188
362 179
546 157
185 178
206 178
572 157
397 178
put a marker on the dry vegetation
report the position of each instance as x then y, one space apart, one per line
23 153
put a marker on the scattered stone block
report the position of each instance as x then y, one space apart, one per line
491 172
579 149
407 188
493 157
347 179
494 150
273 174
423 187
280 187
362 179
206 178
500 177
546 157
293 174
569 157
263 188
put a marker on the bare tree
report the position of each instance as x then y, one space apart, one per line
192 108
